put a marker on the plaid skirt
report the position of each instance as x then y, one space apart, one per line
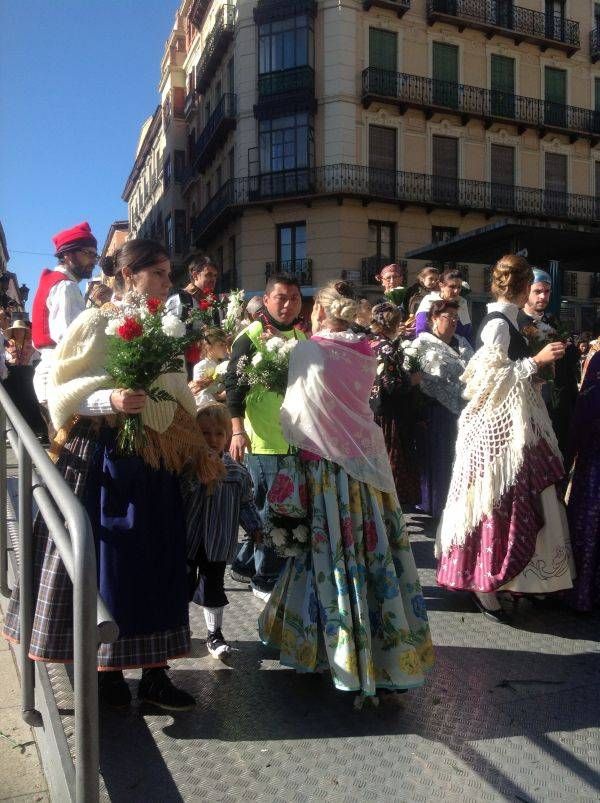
52 635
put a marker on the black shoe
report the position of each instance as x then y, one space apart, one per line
500 616
113 690
240 578
156 688
216 644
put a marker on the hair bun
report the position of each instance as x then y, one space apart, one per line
343 308
108 265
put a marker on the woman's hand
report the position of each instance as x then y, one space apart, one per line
416 378
549 354
129 402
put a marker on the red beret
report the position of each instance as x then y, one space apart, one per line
80 236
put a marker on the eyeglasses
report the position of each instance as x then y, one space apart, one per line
452 318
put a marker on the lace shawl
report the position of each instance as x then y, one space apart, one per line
442 368
504 415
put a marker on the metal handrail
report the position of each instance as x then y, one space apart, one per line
92 622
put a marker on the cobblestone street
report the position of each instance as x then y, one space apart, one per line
508 713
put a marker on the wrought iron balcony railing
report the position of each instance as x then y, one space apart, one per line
191 104
284 82
472 101
301 269
221 121
370 267
198 11
215 46
399 6
595 45
269 10
398 187
521 24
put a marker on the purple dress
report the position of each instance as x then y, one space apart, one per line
583 509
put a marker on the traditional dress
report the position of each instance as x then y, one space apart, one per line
463 328
351 602
583 509
503 527
134 504
19 382
393 403
442 366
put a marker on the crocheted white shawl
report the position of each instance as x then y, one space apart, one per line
504 415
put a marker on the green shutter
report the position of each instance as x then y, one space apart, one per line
445 75
597 94
383 49
503 74
556 85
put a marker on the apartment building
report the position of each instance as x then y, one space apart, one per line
330 136
156 207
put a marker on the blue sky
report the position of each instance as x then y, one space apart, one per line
77 79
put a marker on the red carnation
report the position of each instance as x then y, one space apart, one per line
130 329
204 304
153 305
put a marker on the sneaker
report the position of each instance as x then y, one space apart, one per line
261 592
157 688
240 578
216 644
113 690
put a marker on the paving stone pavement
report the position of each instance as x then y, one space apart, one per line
508 713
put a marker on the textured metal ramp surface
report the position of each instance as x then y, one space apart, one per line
508 713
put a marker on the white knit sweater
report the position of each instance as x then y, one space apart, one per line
79 370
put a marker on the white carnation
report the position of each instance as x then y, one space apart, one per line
274 343
112 326
300 533
172 326
221 368
278 536
411 351
406 344
257 358
288 345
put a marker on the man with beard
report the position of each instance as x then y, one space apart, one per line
58 299
561 396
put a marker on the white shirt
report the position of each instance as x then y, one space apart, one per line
497 333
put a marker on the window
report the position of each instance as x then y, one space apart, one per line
169 234
502 176
179 165
382 148
167 172
445 169
502 75
382 241
597 94
569 287
284 44
231 162
555 112
597 179
504 13
445 74
180 231
555 19
291 247
441 234
383 49
556 184
286 143
191 145
230 75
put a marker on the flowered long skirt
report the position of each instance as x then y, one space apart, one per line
137 521
352 603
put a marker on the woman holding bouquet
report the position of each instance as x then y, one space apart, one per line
443 356
133 501
503 528
350 601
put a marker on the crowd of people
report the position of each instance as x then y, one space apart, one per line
395 405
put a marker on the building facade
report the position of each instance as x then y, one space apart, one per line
331 136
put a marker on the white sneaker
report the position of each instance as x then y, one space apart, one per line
265 596
216 645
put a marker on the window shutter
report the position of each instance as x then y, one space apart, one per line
382 147
597 179
445 157
597 94
383 49
556 85
502 165
556 172
445 62
503 74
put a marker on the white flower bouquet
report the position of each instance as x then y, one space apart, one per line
412 360
267 371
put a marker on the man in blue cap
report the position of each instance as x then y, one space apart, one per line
560 398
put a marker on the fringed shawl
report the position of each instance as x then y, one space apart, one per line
504 415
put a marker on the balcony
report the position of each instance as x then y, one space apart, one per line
300 269
519 24
595 45
220 123
399 6
278 90
371 266
215 46
198 11
270 10
431 95
400 188
191 104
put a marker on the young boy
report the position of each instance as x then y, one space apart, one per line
214 515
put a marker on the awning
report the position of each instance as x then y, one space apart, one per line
573 246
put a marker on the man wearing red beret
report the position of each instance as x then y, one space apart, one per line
58 299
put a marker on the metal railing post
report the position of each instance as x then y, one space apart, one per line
30 715
85 657
4 588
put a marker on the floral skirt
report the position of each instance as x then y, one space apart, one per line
352 603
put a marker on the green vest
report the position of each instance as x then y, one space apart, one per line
262 414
